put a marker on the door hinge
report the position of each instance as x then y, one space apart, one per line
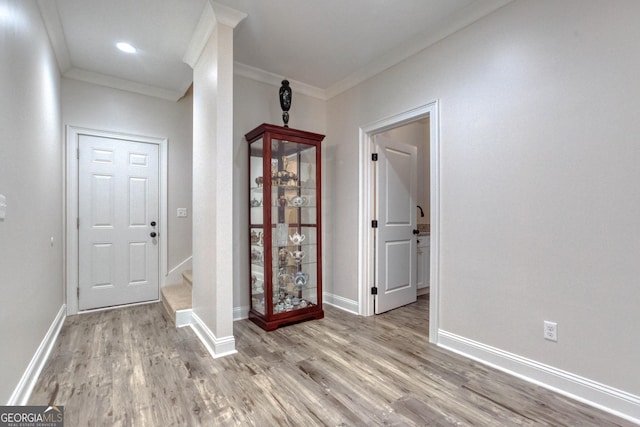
78 223
78 291
374 290
78 153
374 157
374 223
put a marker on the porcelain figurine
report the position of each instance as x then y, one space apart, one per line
257 238
300 278
283 177
282 256
278 308
297 238
297 256
298 201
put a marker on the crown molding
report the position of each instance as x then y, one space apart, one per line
463 18
458 21
53 25
227 15
122 84
200 36
51 19
269 78
212 13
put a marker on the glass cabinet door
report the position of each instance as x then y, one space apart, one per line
293 216
256 219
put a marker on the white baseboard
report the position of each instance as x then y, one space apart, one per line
609 399
174 276
22 392
240 313
217 347
183 318
342 303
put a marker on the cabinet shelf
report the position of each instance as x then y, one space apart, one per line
284 187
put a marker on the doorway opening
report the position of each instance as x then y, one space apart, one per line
367 207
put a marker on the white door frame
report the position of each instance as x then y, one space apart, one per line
366 208
71 209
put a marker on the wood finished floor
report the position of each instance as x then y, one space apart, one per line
130 367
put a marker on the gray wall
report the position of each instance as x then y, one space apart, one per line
101 108
31 269
539 106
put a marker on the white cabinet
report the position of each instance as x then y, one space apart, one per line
423 264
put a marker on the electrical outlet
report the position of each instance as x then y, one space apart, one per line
182 212
550 331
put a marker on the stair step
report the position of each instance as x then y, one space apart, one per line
187 277
175 298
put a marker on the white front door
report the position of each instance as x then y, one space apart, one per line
118 186
396 193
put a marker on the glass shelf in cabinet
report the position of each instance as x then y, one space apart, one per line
291 264
289 187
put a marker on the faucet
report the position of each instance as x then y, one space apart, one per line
421 212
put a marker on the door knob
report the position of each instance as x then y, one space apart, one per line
153 234
153 223
416 232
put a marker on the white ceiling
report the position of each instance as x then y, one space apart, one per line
323 47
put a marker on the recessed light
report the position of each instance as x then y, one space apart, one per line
125 47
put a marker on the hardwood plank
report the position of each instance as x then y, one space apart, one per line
130 367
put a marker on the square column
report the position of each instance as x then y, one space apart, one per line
211 57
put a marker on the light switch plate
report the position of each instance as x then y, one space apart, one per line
182 212
3 206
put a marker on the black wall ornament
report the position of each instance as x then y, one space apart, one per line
285 101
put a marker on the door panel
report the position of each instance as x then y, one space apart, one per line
138 202
102 201
396 192
137 262
398 254
397 179
102 257
118 186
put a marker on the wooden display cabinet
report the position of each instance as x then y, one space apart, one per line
284 226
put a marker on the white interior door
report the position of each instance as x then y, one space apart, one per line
395 201
118 205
